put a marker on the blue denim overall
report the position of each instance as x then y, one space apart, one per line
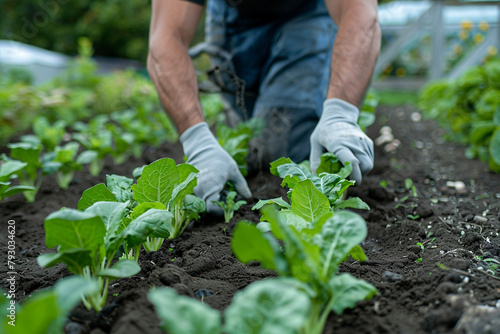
285 63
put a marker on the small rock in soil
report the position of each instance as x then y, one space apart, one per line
480 219
391 277
480 320
424 211
72 327
459 264
203 293
454 278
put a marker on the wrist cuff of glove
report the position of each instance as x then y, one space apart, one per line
196 137
340 110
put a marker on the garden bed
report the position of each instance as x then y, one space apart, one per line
407 238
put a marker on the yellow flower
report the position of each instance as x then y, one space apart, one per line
388 69
478 38
467 25
492 50
400 72
457 49
483 25
463 34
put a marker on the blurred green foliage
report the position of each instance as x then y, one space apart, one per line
78 94
117 28
469 109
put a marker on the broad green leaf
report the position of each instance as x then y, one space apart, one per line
120 187
331 185
358 254
353 203
15 190
329 164
184 315
185 170
46 311
50 167
70 228
345 171
193 206
366 119
292 219
496 116
146 225
181 190
143 207
280 202
122 268
481 131
267 306
301 255
76 259
69 291
339 235
308 202
250 244
26 152
86 157
37 315
275 164
112 214
348 290
137 172
495 146
10 167
97 193
157 182
294 170
290 181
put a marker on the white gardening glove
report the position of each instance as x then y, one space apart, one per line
338 132
216 166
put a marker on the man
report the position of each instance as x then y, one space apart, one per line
307 88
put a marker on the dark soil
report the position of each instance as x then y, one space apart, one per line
454 227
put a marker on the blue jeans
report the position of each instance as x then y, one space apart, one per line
285 64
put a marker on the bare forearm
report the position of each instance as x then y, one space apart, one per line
174 76
355 52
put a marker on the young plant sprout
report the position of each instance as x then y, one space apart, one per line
230 206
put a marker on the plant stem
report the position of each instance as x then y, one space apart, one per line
96 166
64 179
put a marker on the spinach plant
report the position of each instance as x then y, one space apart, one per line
311 254
330 180
88 241
170 185
229 206
96 139
64 159
49 135
468 108
275 305
36 167
7 170
236 140
45 311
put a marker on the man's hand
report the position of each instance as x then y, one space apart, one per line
339 133
215 165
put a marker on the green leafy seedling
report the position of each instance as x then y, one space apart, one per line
230 206
7 170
